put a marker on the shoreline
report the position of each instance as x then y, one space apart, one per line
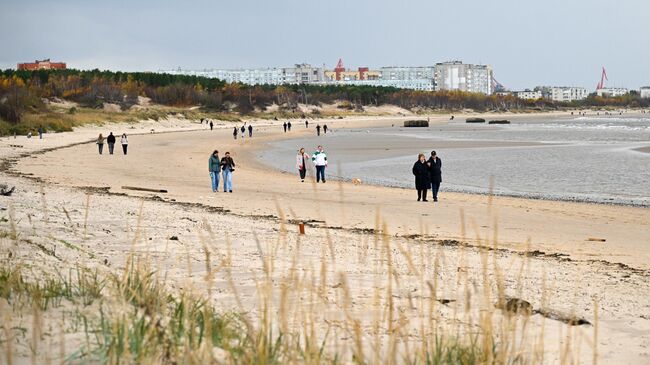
261 191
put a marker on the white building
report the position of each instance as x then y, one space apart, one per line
528 95
612 91
644 92
456 75
407 73
566 93
299 74
415 84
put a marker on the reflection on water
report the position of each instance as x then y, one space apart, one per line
582 158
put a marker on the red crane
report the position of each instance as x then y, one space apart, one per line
603 78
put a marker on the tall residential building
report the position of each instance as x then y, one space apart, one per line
644 92
415 84
456 75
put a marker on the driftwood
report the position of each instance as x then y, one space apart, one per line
144 189
5 190
596 239
474 120
503 121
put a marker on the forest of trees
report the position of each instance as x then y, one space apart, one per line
22 91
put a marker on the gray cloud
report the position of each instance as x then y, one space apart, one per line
527 42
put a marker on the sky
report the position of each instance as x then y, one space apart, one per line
528 43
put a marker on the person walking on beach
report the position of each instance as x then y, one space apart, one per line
301 164
100 143
234 133
318 129
435 172
243 130
319 158
422 178
306 123
40 132
285 127
211 125
124 142
111 142
325 128
228 166
214 167
289 126
250 130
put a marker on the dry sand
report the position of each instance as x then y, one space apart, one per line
564 271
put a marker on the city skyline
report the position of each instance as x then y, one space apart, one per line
526 46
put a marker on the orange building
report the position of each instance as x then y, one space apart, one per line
42 65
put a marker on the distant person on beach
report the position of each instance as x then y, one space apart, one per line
214 167
228 166
422 178
250 131
289 126
318 129
111 142
211 125
201 120
124 142
243 130
325 128
301 164
319 158
234 133
306 123
285 127
100 143
435 172
40 132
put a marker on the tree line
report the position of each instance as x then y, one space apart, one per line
22 91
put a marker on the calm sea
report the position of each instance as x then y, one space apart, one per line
590 158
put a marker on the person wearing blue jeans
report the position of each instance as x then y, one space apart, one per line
319 158
214 167
228 166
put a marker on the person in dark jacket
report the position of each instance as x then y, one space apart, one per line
234 132
435 170
289 126
318 129
228 166
422 177
111 142
211 125
214 167
250 131
285 127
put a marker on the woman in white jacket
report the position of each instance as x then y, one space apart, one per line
301 163
124 142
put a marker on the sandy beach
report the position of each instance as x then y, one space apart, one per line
577 256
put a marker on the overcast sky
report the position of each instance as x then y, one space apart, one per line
528 43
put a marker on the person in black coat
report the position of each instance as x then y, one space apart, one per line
422 177
111 142
435 171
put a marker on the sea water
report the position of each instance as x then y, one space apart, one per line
586 158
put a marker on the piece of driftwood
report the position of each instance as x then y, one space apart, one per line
502 121
595 239
5 190
474 120
144 189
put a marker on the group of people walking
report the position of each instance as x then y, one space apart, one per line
318 158
235 131
110 140
428 175
225 167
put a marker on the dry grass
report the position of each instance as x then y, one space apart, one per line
417 307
